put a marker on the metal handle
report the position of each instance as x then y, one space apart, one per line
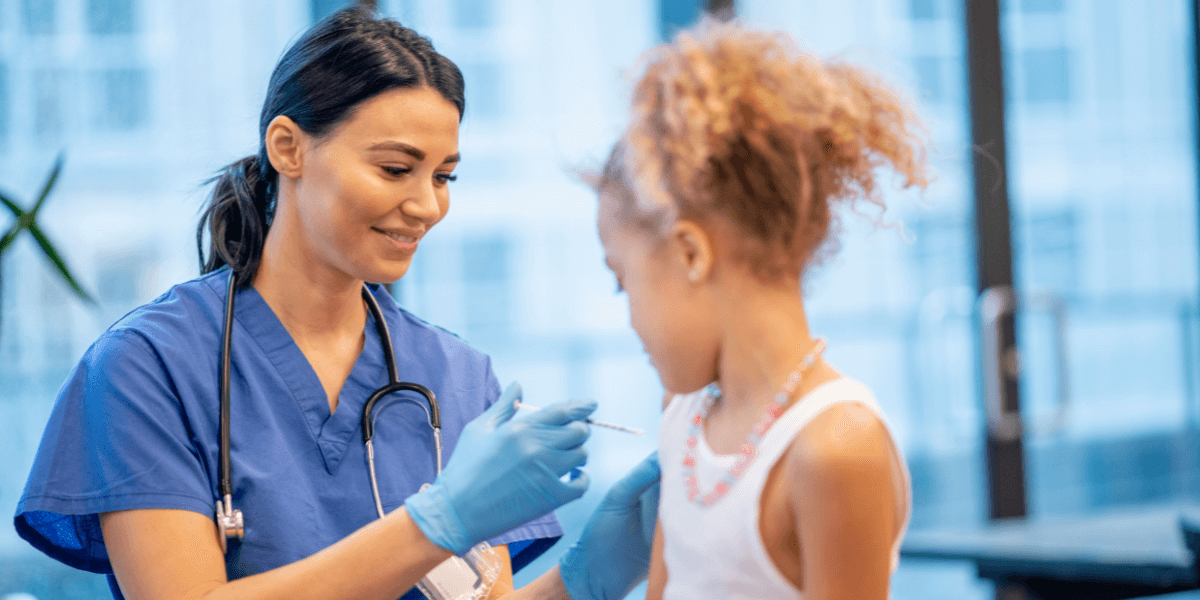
999 362
1056 306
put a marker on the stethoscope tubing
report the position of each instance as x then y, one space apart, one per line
225 512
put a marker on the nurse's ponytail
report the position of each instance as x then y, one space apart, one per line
237 218
348 58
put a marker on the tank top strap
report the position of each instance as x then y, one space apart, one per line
779 438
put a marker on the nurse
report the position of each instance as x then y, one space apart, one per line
359 141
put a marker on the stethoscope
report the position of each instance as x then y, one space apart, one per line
230 521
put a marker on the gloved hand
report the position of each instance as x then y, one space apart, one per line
504 472
612 555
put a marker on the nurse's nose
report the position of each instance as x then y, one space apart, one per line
423 204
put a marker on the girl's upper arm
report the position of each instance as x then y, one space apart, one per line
163 554
843 495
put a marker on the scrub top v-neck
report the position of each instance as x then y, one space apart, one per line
135 426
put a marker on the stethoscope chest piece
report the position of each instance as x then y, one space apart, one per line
230 523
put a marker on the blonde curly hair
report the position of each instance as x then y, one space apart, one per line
740 124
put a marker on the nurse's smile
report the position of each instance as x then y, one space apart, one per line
407 243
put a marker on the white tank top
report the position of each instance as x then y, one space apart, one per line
716 551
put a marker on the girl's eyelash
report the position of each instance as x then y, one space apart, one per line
447 177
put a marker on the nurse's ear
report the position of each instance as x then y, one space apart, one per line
285 148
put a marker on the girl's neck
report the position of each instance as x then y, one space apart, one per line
764 338
315 302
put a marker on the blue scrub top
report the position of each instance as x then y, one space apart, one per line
136 426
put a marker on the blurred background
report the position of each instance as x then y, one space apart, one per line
149 98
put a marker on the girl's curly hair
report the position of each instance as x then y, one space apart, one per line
740 124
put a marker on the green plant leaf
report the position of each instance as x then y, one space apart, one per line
58 163
8 238
16 228
12 206
54 257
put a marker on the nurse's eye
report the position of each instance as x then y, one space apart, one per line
397 171
446 177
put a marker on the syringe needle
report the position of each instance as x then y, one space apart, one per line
633 430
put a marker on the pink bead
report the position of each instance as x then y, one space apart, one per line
691 442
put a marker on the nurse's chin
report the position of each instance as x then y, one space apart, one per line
387 272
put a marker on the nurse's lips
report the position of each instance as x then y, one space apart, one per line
405 240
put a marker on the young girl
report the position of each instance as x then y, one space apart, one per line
780 478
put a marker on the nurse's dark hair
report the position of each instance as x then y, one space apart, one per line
349 57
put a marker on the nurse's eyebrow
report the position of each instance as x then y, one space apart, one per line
412 151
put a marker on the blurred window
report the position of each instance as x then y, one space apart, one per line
674 15
38 16
1042 6
485 90
121 99
49 92
473 14
923 10
487 279
108 17
930 80
1053 248
324 8
1046 75
5 104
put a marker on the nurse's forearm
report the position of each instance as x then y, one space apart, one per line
382 560
173 555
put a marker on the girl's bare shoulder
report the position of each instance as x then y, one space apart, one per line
845 446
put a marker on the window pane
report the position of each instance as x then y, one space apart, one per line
324 8
674 15
49 90
38 16
5 105
1103 180
472 14
121 99
485 90
1046 75
110 16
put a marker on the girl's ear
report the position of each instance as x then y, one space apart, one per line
284 148
695 250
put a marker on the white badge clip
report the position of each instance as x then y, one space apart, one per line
469 577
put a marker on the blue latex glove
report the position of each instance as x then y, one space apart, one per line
612 555
504 472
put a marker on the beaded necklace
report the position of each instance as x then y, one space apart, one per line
749 449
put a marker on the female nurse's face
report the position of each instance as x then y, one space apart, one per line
373 187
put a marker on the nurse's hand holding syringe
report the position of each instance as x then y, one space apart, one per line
505 472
